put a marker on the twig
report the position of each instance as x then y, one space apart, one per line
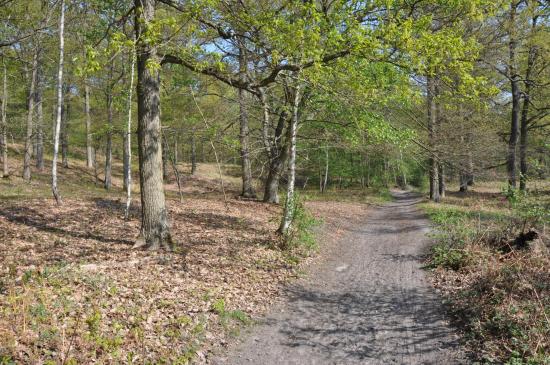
174 167
66 354
213 147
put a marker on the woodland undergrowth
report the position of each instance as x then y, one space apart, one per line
491 260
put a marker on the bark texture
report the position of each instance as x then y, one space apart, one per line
155 231
276 150
290 204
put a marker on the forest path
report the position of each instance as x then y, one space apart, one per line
366 302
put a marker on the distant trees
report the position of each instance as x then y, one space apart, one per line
334 94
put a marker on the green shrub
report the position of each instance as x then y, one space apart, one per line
443 255
301 235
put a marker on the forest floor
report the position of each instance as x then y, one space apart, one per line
366 301
72 291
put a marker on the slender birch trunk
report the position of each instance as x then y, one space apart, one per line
39 155
4 126
193 153
89 146
325 180
288 214
441 183
432 123
30 117
128 140
107 183
55 190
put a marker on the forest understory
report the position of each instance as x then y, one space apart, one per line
491 261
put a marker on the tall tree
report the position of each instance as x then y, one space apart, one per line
4 120
55 189
128 140
155 229
248 190
30 116
290 203
515 79
109 140
89 143
39 138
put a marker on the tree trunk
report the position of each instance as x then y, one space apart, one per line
125 159
155 230
290 203
463 176
165 175
55 191
4 126
275 150
30 116
432 123
467 168
65 134
525 114
107 183
516 98
271 193
39 141
441 183
248 186
523 142
128 142
403 170
193 153
176 147
325 179
89 147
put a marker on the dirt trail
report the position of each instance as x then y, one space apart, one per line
367 302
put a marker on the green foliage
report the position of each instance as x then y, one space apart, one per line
452 234
443 255
238 315
301 235
530 209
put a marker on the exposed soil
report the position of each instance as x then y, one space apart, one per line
368 301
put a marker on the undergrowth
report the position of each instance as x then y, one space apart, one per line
300 239
498 285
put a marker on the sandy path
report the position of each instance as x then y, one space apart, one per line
367 302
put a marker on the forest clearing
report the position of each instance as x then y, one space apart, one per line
274 182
